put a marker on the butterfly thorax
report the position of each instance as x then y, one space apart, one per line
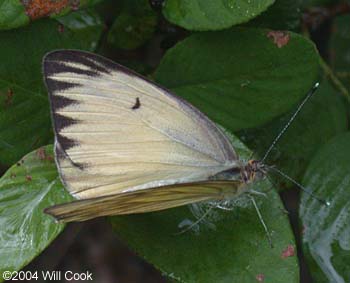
247 173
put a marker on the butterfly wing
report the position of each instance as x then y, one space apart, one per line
117 132
147 200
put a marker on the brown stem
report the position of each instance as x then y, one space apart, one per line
334 79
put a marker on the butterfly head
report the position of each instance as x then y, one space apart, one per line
253 170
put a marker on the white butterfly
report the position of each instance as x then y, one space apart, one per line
125 145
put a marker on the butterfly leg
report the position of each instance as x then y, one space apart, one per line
262 221
253 192
196 222
223 205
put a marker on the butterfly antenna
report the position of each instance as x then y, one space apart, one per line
308 96
300 186
262 221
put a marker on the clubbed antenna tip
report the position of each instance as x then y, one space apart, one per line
316 85
300 186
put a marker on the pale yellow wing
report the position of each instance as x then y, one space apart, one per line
117 132
142 201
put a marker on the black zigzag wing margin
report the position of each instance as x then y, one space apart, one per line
54 62
68 61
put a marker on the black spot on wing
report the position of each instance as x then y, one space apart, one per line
137 104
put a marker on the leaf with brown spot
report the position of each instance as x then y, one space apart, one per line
41 153
24 192
280 38
9 97
243 77
288 252
260 277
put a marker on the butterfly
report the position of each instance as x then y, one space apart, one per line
126 145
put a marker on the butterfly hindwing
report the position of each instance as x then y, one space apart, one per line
116 132
147 200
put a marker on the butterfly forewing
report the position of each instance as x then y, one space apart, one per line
117 132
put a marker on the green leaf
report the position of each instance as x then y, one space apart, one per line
239 77
134 26
12 14
339 48
86 26
25 190
326 237
81 20
214 14
73 5
227 246
323 117
25 120
282 15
